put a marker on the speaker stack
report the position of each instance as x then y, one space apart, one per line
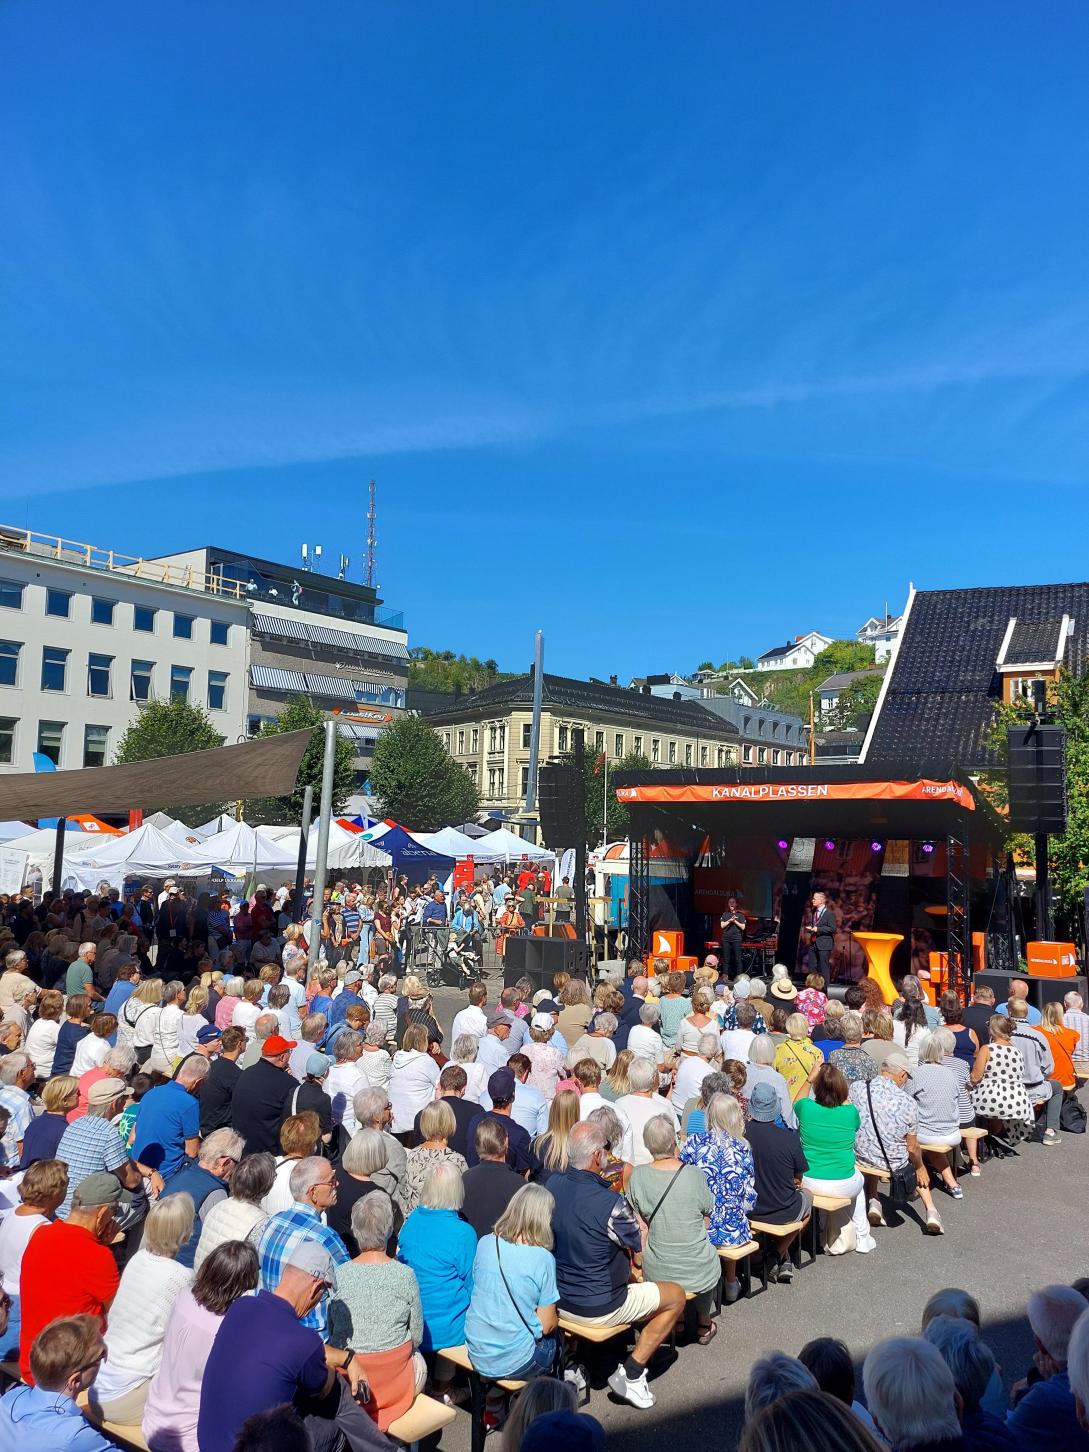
1037 779
560 793
540 959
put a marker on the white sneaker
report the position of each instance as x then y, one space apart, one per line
933 1224
874 1212
637 1392
577 1378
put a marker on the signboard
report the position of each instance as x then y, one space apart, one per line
463 873
756 793
12 869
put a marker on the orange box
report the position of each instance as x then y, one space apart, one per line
1052 960
686 965
666 945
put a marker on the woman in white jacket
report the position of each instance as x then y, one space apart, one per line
413 1080
165 1041
41 1039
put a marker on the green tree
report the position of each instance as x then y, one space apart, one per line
300 714
1068 704
442 670
417 782
594 793
855 705
170 728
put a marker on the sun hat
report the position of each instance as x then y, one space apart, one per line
105 1091
763 1103
783 988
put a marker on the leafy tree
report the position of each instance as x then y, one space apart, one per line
595 802
417 781
1068 704
170 728
705 665
299 714
855 705
442 670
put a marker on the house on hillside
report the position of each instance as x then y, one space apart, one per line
796 655
880 631
671 687
830 689
961 653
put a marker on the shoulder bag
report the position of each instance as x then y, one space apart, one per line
556 1369
902 1181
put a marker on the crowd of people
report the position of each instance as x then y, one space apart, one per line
278 1192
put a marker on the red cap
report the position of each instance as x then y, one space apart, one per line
274 1045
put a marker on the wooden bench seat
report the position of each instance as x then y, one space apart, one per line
833 1202
596 1334
459 1355
790 1227
424 1418
937 1149
973 1134
872 1172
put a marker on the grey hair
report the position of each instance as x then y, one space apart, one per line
22 991
609 1121
947 1038
716 1083
932 1050
850 1026
642 1075
650 1014
194 1070
12 1065
372 1221
464 1049
232 987
951 1302
1053 1312
910 1392
967 1356
219 1143
709 1047
387 983
365 1153
606 1023
171 989
90 947
660 1136
306 1173
14 958
774 1376
762 1050
1077 1360
121 1058
312 1027
583 1143
347 1046
1073 1000
442 1187
375 1035
369 1106
265 1025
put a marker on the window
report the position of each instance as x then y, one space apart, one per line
51 740
527 734
493 736
790 758
183 627
461 743
618 744
102 611
9 662
54 668
599 741
746 755
472 772
217 690
563 738
7 740
446 740
499 781
219 632
180 676
655 749
11 595
95 741
722 756
762 755
491 781
98 674
637 745
143 618
58 603
474 740
673 753
502 747
140 680
525 780
688 755
775 756
703 756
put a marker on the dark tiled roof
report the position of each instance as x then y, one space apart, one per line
844 678
564 694
779 650
940 699
1033 641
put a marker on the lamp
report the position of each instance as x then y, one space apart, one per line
782 844
829 845
928 848
875 846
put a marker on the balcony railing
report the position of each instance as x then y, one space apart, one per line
91 557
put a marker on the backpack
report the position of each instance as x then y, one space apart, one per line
1072 1116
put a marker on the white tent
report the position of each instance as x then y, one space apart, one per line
504 845
147 852
176 831
8 830
216 825
242 848
41 844
346 849
449 841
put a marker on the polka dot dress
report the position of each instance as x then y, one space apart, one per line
1001 1094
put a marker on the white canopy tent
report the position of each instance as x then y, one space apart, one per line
215 826
177 831
346 849
242 848
147 852
504 845
9 830
449 841
40 845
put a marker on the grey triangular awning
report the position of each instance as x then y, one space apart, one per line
264 767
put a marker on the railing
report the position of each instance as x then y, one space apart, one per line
90 557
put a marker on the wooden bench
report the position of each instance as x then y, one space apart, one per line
827 1203
424 1418
1081 1072
126 1437
774 1232
741 1256
597 1334
478 1386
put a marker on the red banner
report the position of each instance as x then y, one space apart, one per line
463 873
759 792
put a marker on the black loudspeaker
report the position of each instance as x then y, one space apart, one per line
560 793
1037 778
1041 991
539 959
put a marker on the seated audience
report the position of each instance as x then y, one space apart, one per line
773 1377
966 1115
41 1190
299 1136
1044 1416
641 1105
363 1158
436 1126
888 1135
798 1059
205 1180
694 1068
242 1214
723 1156
778 1168
911 1395
64 1362
852 1060
43 1134
936 1091
1043 1089
829 1123
997 1082
491 1184
830 1363
511 1327
761 1070
972 1365
807 1421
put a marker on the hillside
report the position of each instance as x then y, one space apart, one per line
442 670
789 690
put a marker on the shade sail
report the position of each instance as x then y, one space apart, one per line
266 767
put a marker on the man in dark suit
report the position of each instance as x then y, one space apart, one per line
732 924
823 928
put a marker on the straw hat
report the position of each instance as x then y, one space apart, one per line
781 986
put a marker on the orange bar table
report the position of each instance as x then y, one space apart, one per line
878 948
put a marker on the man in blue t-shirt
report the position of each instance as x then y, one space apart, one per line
168 1120
262 1357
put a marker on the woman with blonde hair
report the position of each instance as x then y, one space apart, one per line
697 1023
413 1078
725 1159
616 1082
437 1127
150 1283
43 1134
1063 1043
798 1058
551 1146
139 1016
511 1327
193 1020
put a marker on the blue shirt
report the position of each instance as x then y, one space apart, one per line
495 1334
282 1232
31 1418
120 993
466 922
169 1115
433 912
1033 1018
530 1109
352 921
493 1053
340 1006
440 1247
262 1357
88 1146
69 1036
1046 1419
500 893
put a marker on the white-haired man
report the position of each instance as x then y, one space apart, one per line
313 1186
1074 1017
1077 1368
205 1180
1045 1416
14 974
911 1395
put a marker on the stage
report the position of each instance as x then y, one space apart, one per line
922 857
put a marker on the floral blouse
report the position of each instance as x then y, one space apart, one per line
417 1163
727 1164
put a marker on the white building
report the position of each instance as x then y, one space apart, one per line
86 635
880 631
796 655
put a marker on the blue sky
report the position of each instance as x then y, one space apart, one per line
672 330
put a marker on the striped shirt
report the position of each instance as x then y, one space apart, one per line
1075 1019
87 1146
282 1232
351 921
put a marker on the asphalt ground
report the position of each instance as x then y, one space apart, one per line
1020 1226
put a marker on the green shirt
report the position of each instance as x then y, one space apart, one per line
78 977
677 1248
828 1138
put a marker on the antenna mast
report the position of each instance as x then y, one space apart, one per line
372 538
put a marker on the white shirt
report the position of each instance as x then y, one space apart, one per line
90 1051
646 1043
164 1044
280 1196
477 1076
471 1020
690 1076
41 1045
137 1323
589 1100
640 1110
376 1066
15 1231
735 1044
246 1015
411 1087
342 1084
